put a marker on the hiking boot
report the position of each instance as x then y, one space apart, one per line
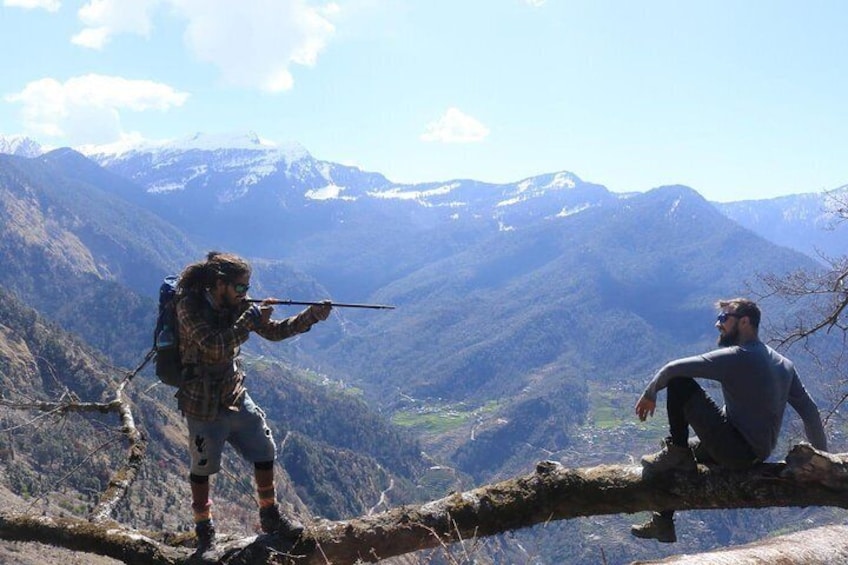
659 527
274 522
670 458
205 532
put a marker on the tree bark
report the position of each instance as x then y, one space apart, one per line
807 478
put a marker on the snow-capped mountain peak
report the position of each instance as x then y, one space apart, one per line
20 145
245 141
554 181
243 170
195 159
248 141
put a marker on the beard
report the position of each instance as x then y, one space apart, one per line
729 338
233 302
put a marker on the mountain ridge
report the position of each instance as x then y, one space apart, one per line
245 159
808 222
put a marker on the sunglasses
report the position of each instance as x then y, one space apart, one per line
722 318
241 288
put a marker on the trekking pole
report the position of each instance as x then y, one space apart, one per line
274 301
150 354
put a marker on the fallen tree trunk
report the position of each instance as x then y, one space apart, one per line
101 538
807 478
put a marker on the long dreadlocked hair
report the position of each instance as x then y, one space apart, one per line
218 265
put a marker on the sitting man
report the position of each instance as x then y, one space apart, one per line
757 383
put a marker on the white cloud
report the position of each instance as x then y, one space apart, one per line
49 5
534 3
86 109
106 18
455 127
253 43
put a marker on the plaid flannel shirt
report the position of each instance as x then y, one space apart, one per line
210 343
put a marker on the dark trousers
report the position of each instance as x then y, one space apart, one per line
719 442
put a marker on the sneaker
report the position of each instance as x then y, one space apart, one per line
274 522
658 527
205 532
670 458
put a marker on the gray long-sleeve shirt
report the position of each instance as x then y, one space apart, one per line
757 382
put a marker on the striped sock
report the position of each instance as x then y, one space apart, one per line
202 512
267 496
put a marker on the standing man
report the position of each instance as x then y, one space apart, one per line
214 319
757 383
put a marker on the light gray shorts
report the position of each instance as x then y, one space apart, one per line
245 430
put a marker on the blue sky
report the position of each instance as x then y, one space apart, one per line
742 99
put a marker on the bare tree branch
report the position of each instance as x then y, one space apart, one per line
124 477
821 300
824 292
121 480
824 295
